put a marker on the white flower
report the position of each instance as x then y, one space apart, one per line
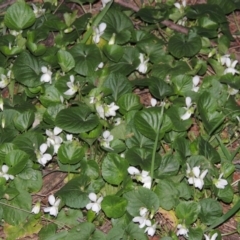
117 121
232 91
1 103
72 87
5 80
98 32
100 65
38 11
47 75
43 157
107 138
36 208
104 3
195 81
69 137
142 219
194 176
100 110
180 6
214 236
231 66
55 203
15 33
151 228
143 176
153 102
224 58
4 174
110 110
189 109
53 139
182 230
106 110
95 203
220 182
142 67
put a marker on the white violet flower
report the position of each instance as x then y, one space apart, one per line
195 81
143 176
4 173
110 110
100 110
142 67
46 76
100 65
73 88
104 3
194 176
153 102
43 157
188 108
231 66
107 138
220 182
151 228
182 230
180 6
55 204
117 121
224 58
142 219
95 203
214 236
36 208
5 80
38 11
232 91
98 32
53 139
69 137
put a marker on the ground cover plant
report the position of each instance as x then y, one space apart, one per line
71 102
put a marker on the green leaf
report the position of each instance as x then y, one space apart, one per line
227 6
6 148
226 194
210 211
168 166
181 45
119 85
128 102
16 161
207 107
65 60
150 14
50 96
90 168
85 230
206 149
114 168
142 157
29 179
29 142
70 153
159 88
26 70
195 233
146 122
117 23
167 194
69 217
74 192
87 58
77 119
128 63
114 206
24 120
19 16
14 213
182 84
113 52
141 197
188 211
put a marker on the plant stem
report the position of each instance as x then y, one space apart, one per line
156 142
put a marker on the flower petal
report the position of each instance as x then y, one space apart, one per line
133 171
51 199
92 197
43 148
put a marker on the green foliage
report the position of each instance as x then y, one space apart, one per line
78 99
